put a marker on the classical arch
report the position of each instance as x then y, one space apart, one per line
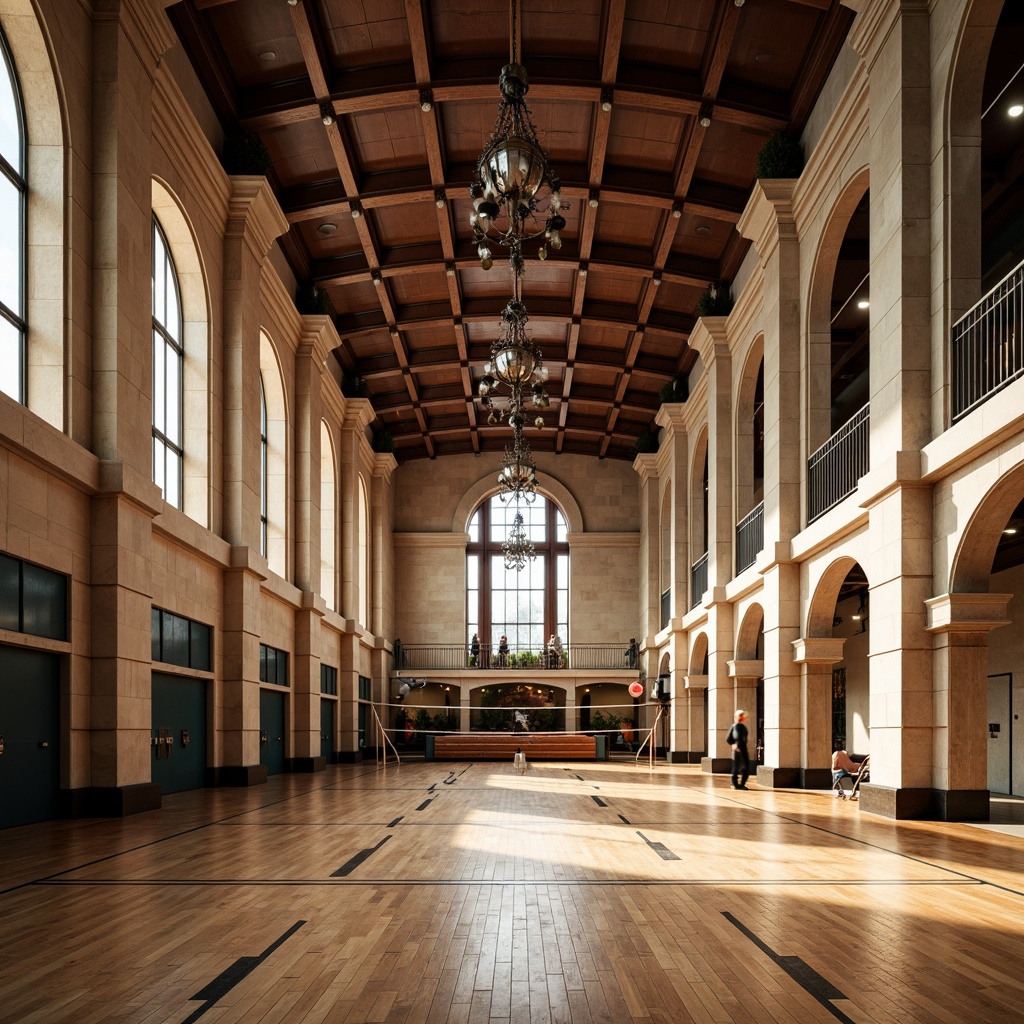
277 462
195 321
972 564
822 608
817 387
698 509
749 464
46 172
699 654
328 518
748 636
547 485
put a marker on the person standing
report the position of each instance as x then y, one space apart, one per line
737 740
474 652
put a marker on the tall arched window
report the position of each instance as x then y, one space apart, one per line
526 606
263 469
168 358
328 518
13 196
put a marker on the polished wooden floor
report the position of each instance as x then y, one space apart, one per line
432 892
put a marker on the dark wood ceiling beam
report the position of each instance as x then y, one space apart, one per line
819 56
211 63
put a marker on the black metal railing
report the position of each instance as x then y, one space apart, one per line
415 658
666 607
749 537
698 580
834 469
987 345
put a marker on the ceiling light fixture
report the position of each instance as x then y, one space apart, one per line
355 209
326 114
268 56
593 199
327 229
517 548
863 304
677 209
293 3
706 109
439 198
449 268
606 100
1016 110
426 101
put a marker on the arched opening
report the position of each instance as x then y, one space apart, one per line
699 520
516 614
274 460
665 562
750 458
363 554
178 240
328 519
748 676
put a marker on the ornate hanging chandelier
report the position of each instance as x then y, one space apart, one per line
517 547
518 477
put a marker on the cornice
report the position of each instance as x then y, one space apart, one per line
146 26
768 216
646 466
430 540
384 466
319 337
359 414
967 613
818 650
710 339
254 213
745 669
875 21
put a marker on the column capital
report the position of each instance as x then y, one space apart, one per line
359 414
695 682
646 466
768 217
818 650
745 669
319 338
146 25
384 465
710 339
967 613
254 214
875 21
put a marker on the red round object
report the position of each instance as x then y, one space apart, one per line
636 689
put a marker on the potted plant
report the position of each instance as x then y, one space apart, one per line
780 157
383 441
715 300
647 442
355 387
312 300
244 153
676 390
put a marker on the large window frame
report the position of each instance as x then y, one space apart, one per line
13 283
264 456
168 373
548 530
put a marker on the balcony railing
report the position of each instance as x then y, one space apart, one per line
698 580
987 345
834 469
456 657
666 607
749 537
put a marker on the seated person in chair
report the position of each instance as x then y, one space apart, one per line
843 766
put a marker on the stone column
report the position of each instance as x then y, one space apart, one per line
382 561
305 726
721 698
688 706
769 222
646 467
745 676
674 452
960 625
128 39
816 656
353 447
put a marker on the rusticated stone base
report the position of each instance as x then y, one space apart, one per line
778 778
240 775
925 804
111 801
716 765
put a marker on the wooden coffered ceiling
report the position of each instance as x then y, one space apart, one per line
613 309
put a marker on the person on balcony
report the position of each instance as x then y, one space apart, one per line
556 654
503 651
632 653
474 652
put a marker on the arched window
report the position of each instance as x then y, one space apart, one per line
328 519
363 555
13 196
263 469
526 606
168 359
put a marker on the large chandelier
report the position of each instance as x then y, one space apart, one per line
518 477
517 546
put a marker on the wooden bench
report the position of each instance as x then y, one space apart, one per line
498 747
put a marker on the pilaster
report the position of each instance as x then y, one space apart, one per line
816 656
306 756
721 697
646 467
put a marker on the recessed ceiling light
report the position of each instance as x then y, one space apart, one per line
1016 110
327 229
765 57
863 304
268 55
1010 531
702 229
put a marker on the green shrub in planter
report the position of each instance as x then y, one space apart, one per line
676 390
244 153
383 441
780 157
645 443
355 387
715 300
312 300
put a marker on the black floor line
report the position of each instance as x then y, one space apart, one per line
238 971
430 789
349 866
659 848
597 800
624 818
449 782
392 824
422 805
800 971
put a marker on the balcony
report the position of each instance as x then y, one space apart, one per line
987 346
457 657
698 580
749 537
834 469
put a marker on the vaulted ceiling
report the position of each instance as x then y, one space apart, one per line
613 309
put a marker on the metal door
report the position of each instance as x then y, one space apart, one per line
327 729
272 731
178 741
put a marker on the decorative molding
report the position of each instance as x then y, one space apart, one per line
818 650
768 217
745 669
967 613
431 540
254 213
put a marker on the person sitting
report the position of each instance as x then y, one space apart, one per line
843 767
503 651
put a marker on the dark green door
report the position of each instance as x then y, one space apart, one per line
327 729
272 731
30 732
179 726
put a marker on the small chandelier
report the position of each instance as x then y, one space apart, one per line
517 547
512 175
518 477
515 362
